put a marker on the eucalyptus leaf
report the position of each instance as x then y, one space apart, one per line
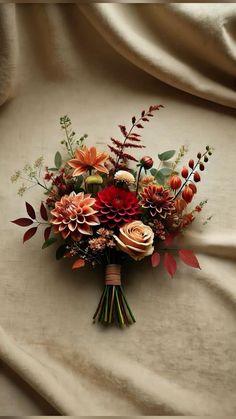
166 171
160 178
49 242
167 155
57 160
153 172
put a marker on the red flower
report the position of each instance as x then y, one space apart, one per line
116 206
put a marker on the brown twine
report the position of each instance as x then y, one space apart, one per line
113 274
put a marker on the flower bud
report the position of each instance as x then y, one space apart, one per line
193 187
187 194
196 177
175 182
201 166
146 162
184 172
94 180
191 163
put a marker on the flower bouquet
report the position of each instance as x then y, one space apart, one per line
108 208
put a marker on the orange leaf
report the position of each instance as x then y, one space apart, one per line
79 263
189 258
170 264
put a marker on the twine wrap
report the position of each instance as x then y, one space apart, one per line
113 275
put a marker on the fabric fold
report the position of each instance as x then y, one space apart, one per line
190 47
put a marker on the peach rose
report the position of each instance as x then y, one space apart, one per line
136 239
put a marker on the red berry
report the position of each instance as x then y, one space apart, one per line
184 172
175 182
187 194
196 177
146 162
191 163
201 166
193 187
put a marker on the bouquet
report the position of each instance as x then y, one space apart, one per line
106 209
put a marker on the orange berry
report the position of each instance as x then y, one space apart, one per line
180 205
175 182
196 177
193 187
184 172
187 194
191 163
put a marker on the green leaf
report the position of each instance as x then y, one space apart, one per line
61 251
153 172
167 155
133 172
166 171
160 178
57 160
52 169
49 242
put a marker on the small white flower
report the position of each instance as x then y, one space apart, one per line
124 176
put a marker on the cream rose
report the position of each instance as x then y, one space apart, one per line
136 239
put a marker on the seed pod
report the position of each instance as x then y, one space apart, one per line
210 153
184 172
207 148
205 159
196 177
191 163
201 166
199 155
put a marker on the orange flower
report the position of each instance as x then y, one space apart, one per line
88 158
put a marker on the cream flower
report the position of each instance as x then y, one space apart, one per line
136 239
124 176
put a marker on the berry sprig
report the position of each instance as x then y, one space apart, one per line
188 190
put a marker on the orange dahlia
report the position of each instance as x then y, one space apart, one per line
87 159
74 215
157 200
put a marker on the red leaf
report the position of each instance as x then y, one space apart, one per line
139 126
142 113
43 212
30 210
189 258
155 259
47 232
133 120
79 263
29 233
170 263
145 119
23 222
169 239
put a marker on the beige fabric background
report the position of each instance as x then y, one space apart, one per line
101 64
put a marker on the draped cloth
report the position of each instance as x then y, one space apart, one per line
101 64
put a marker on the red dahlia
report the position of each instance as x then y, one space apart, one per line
157 200
116 206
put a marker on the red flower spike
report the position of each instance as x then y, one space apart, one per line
187 194
23 222
43 212
170 264
188 257
29 233
196 177
184 172
79 263
47 232
155 259
30 210
191 163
